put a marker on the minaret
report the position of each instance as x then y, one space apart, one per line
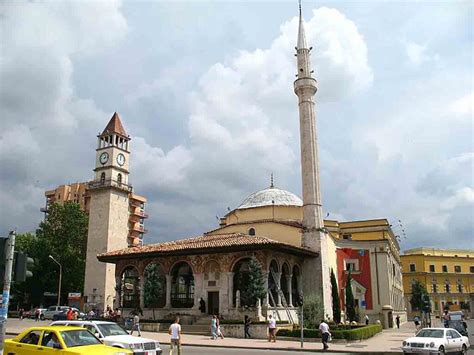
316 274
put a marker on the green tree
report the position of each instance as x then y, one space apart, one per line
63 234
418 293
313 311
336 302
255 289
154 287
350 303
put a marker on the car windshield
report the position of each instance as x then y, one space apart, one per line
108 329
430 333
74 338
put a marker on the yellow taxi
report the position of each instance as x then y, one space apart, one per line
58 340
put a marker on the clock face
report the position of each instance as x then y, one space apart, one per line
104 157
120 159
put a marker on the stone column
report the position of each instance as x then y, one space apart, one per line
265 285
278 282
230 288
118 287
290 291
168 291
198 289
142 292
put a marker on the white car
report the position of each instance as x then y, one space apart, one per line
436 341
51 311
112 334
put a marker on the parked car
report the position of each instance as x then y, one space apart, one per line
51 311
31 313
436 340
112 334
63 314
58 340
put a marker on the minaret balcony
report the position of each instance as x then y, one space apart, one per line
102 184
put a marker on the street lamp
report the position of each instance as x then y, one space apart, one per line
60 276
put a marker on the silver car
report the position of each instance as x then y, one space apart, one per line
51 311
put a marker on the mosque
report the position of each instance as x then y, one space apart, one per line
286 234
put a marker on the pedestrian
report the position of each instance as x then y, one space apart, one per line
37 315
214 327
202 305
247 322
325 334
69 314
366 319
219 332
117 314
91 314
271 329
20 313
417 322
397 321
446 319
136 325
175 332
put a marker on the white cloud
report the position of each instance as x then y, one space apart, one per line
464 105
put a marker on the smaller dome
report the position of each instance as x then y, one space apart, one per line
269 197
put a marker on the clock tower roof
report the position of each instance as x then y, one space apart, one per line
115 126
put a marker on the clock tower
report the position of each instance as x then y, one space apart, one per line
109 212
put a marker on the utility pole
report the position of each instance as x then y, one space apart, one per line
9 255
301 321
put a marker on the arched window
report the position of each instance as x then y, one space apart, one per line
252 231
102 178
272 287
295 287
285 280
155 286
130 295
182 286
119 178
241 272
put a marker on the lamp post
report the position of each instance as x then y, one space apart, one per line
60 276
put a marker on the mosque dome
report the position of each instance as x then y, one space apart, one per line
269 197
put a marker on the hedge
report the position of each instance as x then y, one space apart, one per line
356 333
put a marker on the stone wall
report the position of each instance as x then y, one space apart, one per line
257 331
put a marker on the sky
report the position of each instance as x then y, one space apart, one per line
205 89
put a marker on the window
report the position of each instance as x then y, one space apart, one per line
457 268
102 178
119 178
31 338
445 268
393 269
447 286
412 268
252 231
432 268
351 266
459 287
435 288
471 269
50 340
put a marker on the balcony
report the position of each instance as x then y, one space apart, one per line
138 212
138 228
109 183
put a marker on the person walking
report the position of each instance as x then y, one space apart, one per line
37 315
219 331
70 314
20 313
214 327
397 321
446 319
366 319
175 333
136 325
325 334
271 329
247 323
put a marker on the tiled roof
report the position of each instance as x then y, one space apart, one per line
206 243
287 222
115 126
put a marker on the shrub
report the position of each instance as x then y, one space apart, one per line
356 333
313 311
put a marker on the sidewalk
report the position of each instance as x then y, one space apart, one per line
387 341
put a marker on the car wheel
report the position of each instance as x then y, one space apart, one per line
464 349
441 350
42 317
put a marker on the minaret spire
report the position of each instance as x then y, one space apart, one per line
316 270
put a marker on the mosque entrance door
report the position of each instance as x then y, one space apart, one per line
213 302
